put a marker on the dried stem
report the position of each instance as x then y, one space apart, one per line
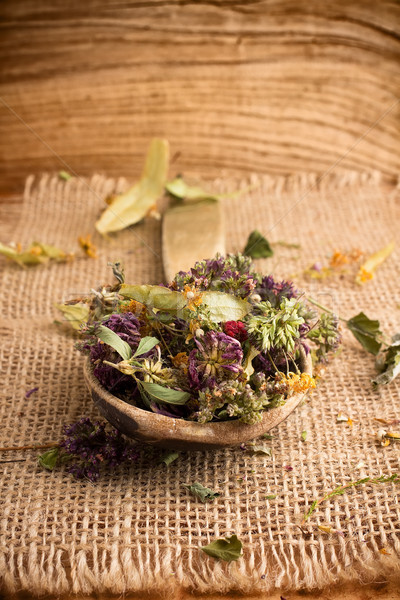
39 447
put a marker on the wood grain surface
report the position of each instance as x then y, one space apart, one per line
274 86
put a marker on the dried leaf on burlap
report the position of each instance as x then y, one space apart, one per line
257 246
37 253
134 204
64 175
169 457
391 366
228 549
204 494
179 188
366 331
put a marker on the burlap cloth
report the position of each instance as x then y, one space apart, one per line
138 528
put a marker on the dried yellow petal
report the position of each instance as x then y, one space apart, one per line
87 246
325 529
368 269
394 435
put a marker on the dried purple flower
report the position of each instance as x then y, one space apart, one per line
127 326
226 274
217 356
274 292
87 446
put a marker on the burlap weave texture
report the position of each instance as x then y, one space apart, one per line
138 528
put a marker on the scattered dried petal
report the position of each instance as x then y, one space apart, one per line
367 270
87 246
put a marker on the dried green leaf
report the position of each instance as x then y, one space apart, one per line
391 367
204 494
133 205
180 189
270 497
257 246
225 307
48 460
146 344
36 254
155 296
110 338
50 251
267 436
304 436
366 331
165 395
228 549
254 449
65 175
169 457
75 314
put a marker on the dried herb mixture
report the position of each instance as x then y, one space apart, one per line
220 342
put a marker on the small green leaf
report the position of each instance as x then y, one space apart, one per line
270 497
304 436
50 251
391 368
259 450
366 331
257 246
180 189
48 460
166 395
204 494
145 345
118 271
225 307
169 457
64 175
155 296
75 314
228 549
36 254
110 338
267 436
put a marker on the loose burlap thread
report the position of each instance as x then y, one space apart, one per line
138 528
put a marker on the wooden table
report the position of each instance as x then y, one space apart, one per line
270 86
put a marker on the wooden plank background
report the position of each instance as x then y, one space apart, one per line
274 86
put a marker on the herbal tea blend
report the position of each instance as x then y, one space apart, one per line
220 342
